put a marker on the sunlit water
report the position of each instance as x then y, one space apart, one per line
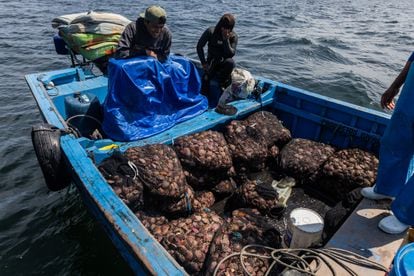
349 49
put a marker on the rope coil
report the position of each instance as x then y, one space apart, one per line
301 259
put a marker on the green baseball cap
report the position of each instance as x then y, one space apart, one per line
154 14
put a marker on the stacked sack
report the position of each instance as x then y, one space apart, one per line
345 171
255 139
273 131
160 171
93 34
302 158
162 175
207 161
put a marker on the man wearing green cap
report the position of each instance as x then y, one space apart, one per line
147 36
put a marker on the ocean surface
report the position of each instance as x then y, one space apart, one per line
349 49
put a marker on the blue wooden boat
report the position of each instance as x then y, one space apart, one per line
306 114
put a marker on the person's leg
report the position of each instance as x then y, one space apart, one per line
403 205
224 72
396 155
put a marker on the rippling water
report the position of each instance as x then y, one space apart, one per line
349 49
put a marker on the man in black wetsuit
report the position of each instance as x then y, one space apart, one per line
222 43
147 36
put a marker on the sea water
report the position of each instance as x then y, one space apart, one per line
349 49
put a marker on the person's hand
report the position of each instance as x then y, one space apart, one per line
225 33
151 54
387 99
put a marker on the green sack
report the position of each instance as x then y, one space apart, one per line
91 46
98 50
85 40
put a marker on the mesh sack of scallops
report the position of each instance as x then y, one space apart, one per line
203 200
155 223
179 206
302 158
205 157
270 127
159 169
225 188
245 227
186 204
346 170
247 146
188 239
258 195
121 175
204 150
202 179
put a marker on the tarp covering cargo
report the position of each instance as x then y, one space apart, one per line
146 97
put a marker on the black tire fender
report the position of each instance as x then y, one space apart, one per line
46 143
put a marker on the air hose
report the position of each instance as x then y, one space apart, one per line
301 259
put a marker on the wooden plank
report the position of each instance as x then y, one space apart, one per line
361 235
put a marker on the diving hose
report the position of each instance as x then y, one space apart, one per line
300 259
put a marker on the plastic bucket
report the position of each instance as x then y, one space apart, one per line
304 228
403 261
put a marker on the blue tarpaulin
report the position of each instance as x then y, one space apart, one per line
146 97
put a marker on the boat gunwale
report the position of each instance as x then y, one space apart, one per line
156 260
121 221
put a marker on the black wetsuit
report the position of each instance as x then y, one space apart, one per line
219 54
136 39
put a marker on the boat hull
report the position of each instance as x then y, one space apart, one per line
306 114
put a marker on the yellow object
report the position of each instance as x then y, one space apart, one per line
109 147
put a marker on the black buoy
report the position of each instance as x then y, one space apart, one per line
46 143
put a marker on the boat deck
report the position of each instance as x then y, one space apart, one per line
360 234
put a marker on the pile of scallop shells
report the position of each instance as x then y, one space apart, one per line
155 223
188 239
301 158
245 227
346 170
159 169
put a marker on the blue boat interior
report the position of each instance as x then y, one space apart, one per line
306 114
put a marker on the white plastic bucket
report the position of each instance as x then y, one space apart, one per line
304 228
